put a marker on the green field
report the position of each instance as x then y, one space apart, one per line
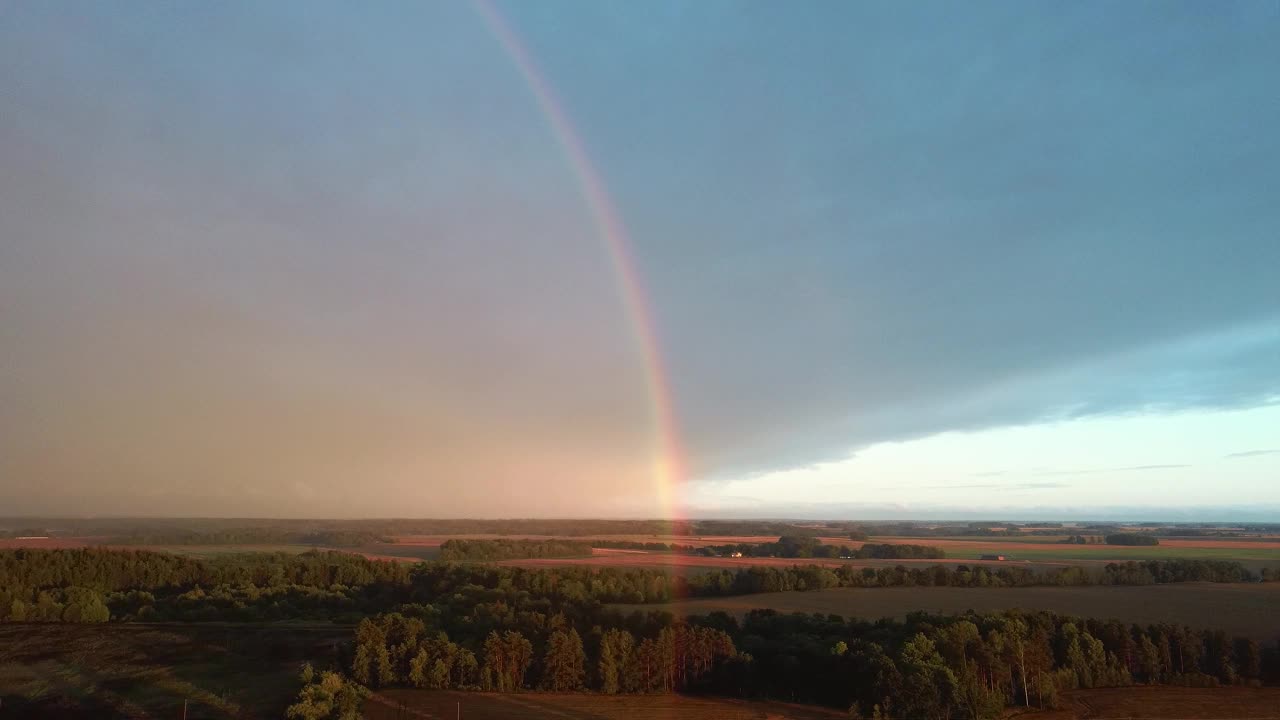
1249 609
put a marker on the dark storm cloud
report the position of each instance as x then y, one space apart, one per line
1071 204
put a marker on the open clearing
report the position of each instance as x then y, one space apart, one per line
147 671
1165 703
446 705
1249 609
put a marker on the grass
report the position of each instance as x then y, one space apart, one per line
139 671
398 704
1118 552
1240 609
1137 703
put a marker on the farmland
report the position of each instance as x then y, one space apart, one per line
1042 551
1140 703
442 705
1244 609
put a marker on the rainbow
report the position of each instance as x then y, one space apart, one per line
668 466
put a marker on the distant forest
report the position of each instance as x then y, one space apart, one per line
1132 539
787 546
489 550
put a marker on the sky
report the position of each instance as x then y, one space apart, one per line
885 260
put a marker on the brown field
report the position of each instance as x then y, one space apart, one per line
1165 703
694 540
1250 609
1040 552
446 705
685 564
997 543
48 543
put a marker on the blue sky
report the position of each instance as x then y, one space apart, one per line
307 259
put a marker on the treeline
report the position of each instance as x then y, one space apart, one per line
1081 540
974 665
1132 539
503 549
758 579
928 666
256 536
900 552
76 585
535 651
787 546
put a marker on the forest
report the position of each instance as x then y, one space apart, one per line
927 666
504 549
787 546
1132 539
485 627
98 585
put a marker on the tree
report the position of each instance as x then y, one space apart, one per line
929 686
1248 658
331 698
615 655
1149 660
506 660
1016 632
563 662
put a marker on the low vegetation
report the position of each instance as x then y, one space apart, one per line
503 549
1132 539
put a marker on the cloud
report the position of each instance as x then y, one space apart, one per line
1094 471
1219 370
218 278
984 486
1250 453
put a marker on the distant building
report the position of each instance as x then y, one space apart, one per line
735 553
32 537
994 557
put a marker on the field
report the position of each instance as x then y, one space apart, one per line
1251 610
445 705
140 671
1137 703
1040 551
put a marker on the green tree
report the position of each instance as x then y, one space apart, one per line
332 697
929 687
615 654
564 661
